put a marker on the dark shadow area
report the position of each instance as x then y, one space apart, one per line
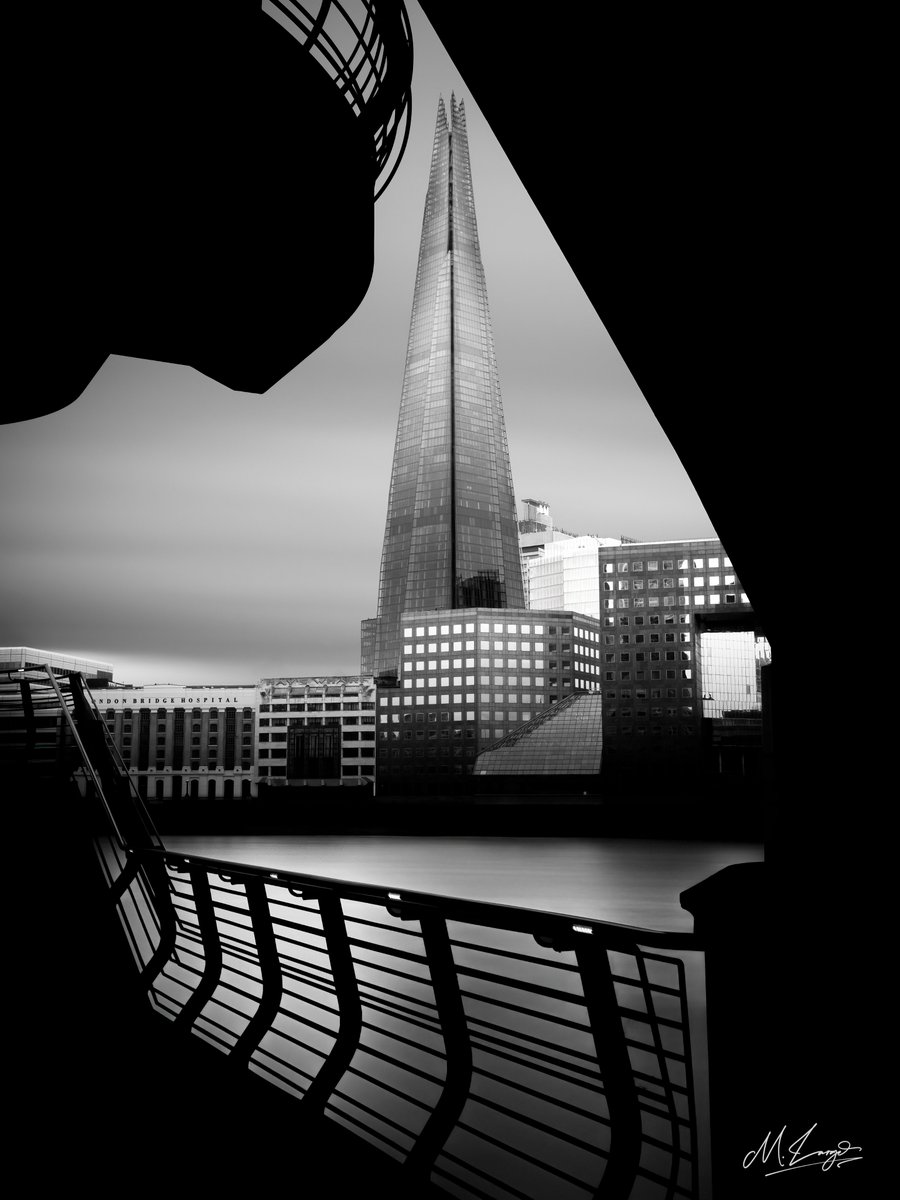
180 202
540 815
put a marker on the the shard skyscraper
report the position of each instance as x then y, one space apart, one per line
451 536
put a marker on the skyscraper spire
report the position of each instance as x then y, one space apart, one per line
451 537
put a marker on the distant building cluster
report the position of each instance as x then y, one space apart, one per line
679 641
502 648
208 742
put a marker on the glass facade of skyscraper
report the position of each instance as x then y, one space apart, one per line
566 739
451 536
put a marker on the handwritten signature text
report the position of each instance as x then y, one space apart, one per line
796 1155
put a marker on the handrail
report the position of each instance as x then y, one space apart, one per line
562 929
452 1034
85 759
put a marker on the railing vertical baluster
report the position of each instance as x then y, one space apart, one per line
346 988
125 878
158 878
457 1046
270 970
616 1071
212 947
30 723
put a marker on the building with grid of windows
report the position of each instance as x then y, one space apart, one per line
184 741
316 731
469 677
665 609
451 535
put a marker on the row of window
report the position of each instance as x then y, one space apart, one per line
670 673
358 752
430 735
348 771
669 693
318 706
668 564
653 619
668 581
524 681
526 647
684 713
212 765
685 730
516 627
511 664
128 713
699 601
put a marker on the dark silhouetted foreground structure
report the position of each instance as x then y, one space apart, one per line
203 192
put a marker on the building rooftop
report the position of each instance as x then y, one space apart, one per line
26 658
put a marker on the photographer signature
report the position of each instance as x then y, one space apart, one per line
826 1159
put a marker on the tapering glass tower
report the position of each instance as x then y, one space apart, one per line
451 537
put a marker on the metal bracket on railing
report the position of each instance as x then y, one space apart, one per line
401 910
563 939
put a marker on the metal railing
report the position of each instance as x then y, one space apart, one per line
496 1051
365 48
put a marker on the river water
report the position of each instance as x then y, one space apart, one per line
628 881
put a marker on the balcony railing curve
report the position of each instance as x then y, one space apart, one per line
492 1050
365 48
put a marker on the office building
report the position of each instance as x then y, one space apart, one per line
669 614
316 731
470 677
180 740
560 569
451 539
565 573
210 742
682 651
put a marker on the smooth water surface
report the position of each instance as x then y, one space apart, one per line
628 881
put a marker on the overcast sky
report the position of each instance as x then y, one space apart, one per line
190 534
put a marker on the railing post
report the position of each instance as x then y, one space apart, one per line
346 990
212 947
615 1069
457 1047
730 919
270 970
